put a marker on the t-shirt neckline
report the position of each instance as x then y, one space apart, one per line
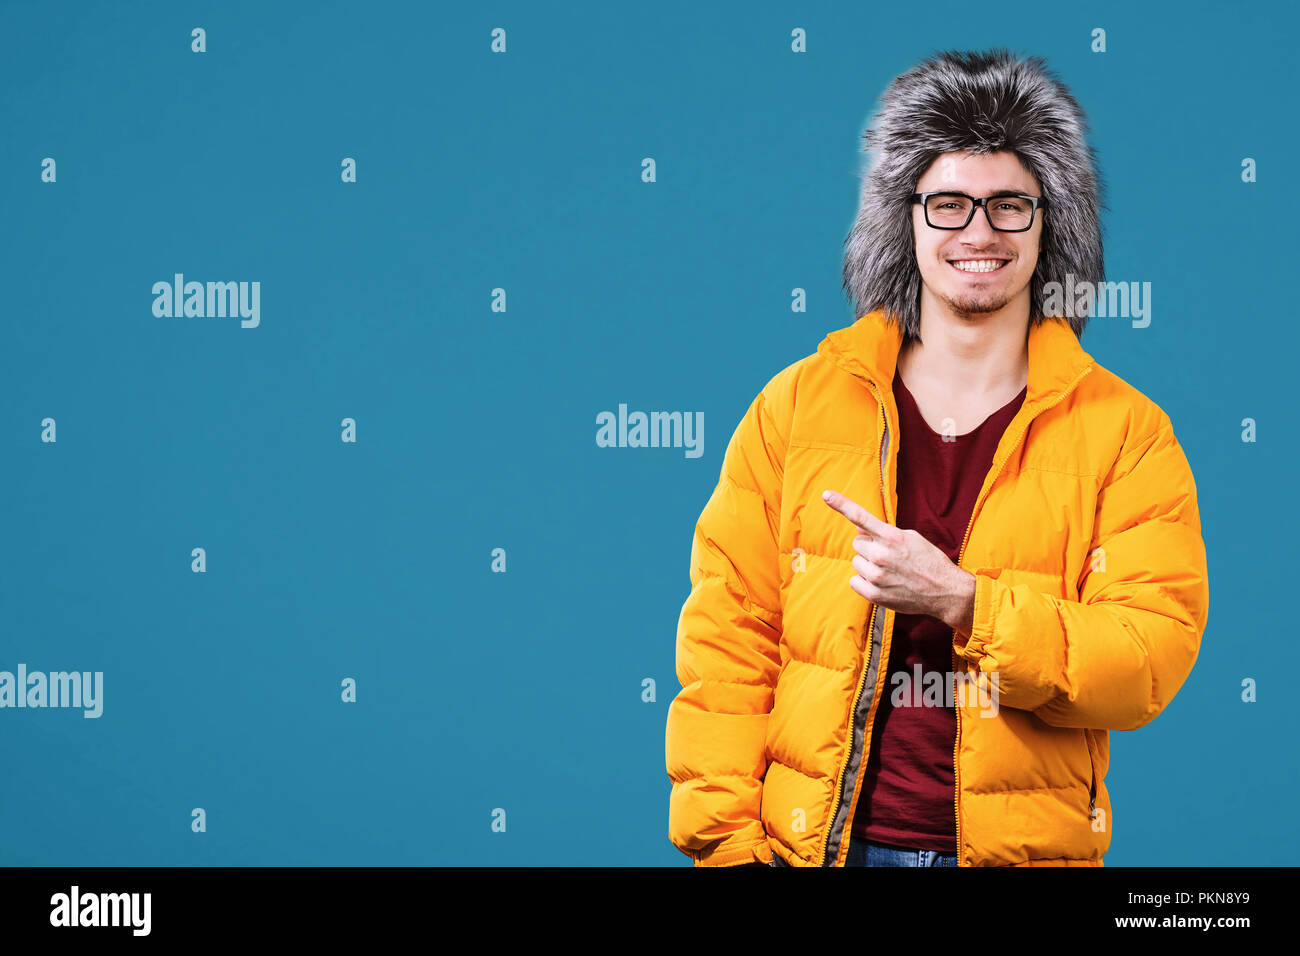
898 379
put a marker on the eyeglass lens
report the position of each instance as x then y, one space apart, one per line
1006 212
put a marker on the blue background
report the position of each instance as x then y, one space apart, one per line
476 429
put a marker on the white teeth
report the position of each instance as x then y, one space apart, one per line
979 265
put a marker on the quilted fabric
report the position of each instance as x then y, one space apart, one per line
1091 600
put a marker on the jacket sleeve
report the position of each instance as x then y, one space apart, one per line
728 655
1115 658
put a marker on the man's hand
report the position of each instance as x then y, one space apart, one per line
899 569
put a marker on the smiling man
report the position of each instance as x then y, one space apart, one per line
950 493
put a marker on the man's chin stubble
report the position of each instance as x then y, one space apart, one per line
969 308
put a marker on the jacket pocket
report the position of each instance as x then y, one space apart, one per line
1092 765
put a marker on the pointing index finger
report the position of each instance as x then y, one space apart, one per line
859 515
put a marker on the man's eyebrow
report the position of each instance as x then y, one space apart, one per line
1000 192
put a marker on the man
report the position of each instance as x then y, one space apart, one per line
948 552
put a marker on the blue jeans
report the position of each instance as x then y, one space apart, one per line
865 853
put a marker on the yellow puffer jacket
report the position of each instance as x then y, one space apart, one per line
1091 598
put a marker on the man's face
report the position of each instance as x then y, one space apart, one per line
937 250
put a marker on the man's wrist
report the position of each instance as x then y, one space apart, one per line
961 606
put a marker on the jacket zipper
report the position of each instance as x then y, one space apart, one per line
956 772
866 669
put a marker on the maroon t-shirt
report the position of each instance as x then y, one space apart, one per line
908 785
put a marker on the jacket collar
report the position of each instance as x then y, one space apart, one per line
869 349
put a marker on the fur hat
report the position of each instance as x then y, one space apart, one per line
982 103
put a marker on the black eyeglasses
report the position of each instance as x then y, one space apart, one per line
1006 212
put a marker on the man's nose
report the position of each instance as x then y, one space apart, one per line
978 231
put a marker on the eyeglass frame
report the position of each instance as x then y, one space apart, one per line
1040 202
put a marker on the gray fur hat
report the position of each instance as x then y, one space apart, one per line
982 103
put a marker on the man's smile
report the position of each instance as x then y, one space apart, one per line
977 265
